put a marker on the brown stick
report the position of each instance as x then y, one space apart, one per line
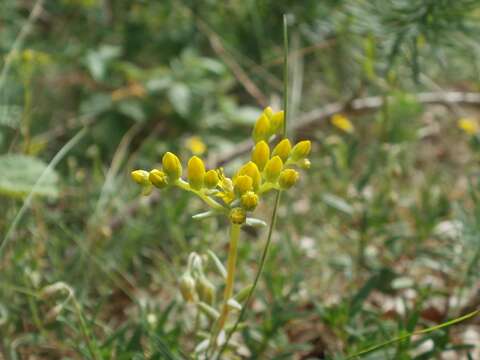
236 69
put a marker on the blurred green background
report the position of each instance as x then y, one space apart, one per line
380 238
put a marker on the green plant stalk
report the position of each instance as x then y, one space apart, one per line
26 203
36 319
27 105
91 345
285 74
210 202
273 219
228 292
257 275
420 332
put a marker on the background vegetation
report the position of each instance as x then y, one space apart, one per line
381 238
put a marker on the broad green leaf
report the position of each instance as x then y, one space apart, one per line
133 109
180 98
20 173
10 116
337 203
98 60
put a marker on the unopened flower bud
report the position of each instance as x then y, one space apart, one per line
158 178
273 168
140 177
242 295
234 304
195 264
282 149
277 122
301 150
249 201
172 166
187 287
251 169
261 154
205 290
242 184
288 178
305 164
196 172
261 130
268 111
211 179
238 216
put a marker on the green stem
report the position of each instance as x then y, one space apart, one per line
420 332
257 275
27 105
232 260
228 292
91 345
208 200
277 197
285 74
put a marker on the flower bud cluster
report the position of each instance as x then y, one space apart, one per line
194 284
268 169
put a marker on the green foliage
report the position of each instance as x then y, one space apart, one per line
370 246
22 175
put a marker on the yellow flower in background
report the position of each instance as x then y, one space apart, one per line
195 145
468 125
341 122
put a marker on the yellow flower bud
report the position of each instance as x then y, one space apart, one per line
288 178
268 111
249 201
251 169
187 287
205 290
277 121
305 164
158 178
261 130
273 168
196 172
172 166
282 149
211 179
301 150
261 154
238 216
242 184
140 177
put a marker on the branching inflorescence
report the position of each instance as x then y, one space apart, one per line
236 197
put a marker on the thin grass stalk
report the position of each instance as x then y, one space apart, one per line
419 332
277 197
87 336
26 203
